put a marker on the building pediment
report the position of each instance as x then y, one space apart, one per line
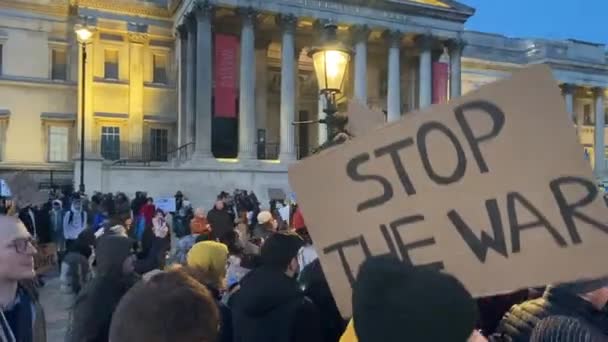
443 9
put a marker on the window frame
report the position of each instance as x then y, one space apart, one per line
156 54
70 124
118 130
167 134
105 63
52 64
4 122
49 142
59 46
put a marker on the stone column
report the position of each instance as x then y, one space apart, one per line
425 73
261 82
393 97
204 79
455 48
568 92
247 121
288 86
138 36
599 144
360 35
190 80
182 39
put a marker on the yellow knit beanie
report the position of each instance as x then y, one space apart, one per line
209 256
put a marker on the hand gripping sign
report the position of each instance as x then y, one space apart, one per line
491 187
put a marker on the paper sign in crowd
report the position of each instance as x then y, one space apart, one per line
491 187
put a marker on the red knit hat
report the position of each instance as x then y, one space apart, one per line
298 220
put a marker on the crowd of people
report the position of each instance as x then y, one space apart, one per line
240 273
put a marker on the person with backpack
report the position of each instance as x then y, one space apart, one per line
74 222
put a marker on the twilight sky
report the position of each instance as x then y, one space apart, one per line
556 19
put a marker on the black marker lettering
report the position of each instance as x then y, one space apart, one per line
405 248
480 246
498 117
421 140
569 210
389 241
393 151
353 173
517 227
340 246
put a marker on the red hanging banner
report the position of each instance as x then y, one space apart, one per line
440 82
225 91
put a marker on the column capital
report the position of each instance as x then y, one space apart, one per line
287 22
598 91
425 41
568 88
455 45
359 33
248 15
181 31
393 38
203 9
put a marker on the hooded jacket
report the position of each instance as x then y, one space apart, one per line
269 307
220 222
37 315
519 322
74 222
95 304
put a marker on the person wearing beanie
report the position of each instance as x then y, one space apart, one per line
393 302
562 328
207 262
270 306
582 300
266 226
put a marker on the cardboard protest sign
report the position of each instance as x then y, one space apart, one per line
166 204
361 119
24 190
491 187
46 258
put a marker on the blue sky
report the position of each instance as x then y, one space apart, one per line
556 19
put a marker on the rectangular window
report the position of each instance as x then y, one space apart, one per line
587 115
110 64
160 69
1 57
59 138
58 64
110 142
159 141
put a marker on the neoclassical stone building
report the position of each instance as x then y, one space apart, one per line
201 96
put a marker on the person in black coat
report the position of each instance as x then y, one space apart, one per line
219 220
270 306
312 281
582 300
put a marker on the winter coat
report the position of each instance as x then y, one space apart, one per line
92 313
312 281
518 324
220 222
147 211
38 327
269 307
74 222
56 219
95 304
183 246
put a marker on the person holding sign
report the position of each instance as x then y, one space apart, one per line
583 300
21 315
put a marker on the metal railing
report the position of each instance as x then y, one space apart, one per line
182 153
123 153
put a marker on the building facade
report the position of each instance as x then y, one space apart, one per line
201 96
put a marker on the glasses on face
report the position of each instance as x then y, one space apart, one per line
21 245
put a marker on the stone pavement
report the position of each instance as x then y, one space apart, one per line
56 308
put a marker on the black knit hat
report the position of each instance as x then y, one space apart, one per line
393 302
562 328
280 248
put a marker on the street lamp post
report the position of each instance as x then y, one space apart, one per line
84 35
330 61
